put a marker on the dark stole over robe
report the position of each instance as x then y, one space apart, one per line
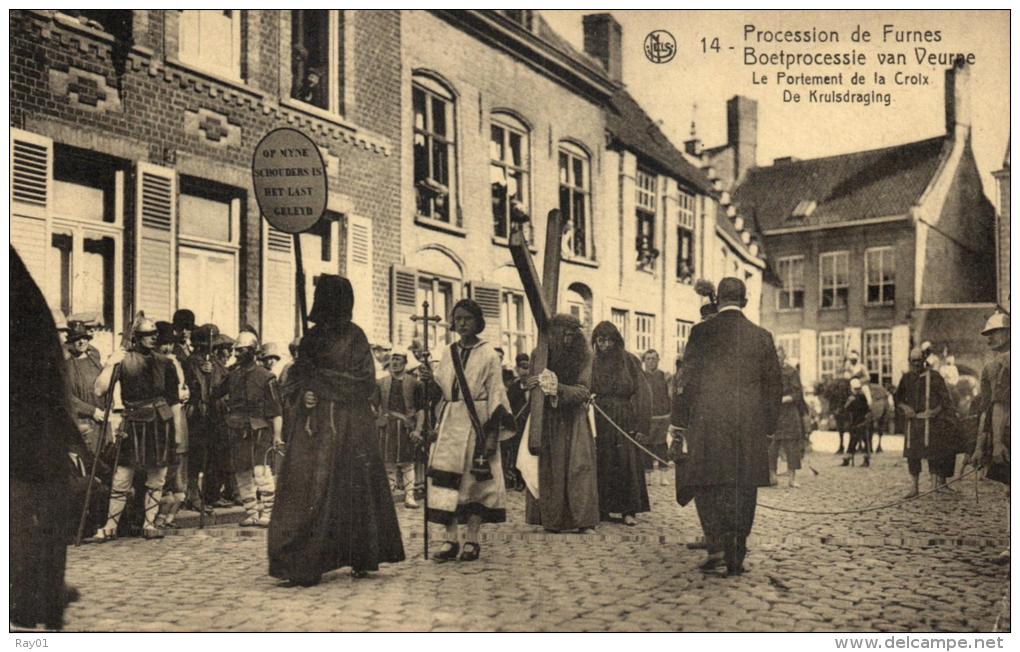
42 428
333 502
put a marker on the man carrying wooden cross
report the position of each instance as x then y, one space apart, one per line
557 455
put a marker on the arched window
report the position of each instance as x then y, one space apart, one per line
435 151
509 169
575 201
578 302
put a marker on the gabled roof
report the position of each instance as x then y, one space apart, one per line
876 183
631 128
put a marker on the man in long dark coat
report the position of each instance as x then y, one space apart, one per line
728 407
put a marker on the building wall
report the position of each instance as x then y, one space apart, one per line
857 318
959 243
161 111
1002 226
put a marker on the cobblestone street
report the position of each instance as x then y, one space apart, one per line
926 565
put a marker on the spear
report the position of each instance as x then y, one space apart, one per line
425 318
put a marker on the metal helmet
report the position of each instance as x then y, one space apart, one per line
855 383
144 326
916 354
270 350
246 340
997 321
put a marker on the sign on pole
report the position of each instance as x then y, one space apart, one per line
290 182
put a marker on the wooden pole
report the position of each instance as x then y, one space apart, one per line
300 282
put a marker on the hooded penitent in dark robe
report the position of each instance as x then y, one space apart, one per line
621 391
567 483
333 503
42 427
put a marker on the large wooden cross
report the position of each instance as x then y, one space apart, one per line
542 296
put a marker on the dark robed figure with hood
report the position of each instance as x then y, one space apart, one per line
729 406
567 487
622 392
333 503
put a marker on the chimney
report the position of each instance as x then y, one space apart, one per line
742 133
603 39
958 100
693 146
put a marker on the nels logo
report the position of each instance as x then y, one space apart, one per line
660 46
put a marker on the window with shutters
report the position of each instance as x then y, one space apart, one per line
834 278
880 274
86 237
644 332
208 251
621 319
210 40
791 276
518 326
508 170
878 356
790 344
488 296
359 269
575 201
317 58
681 333
439 293
685 237
435 152
831 349
646 202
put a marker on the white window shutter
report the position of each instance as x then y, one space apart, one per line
155 241
279 308
359 271
31 199
403 304
488 297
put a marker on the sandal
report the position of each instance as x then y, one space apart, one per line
448 553
471 551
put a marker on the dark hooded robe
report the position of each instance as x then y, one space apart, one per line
333 503
621 391
936 439
42 430
567 483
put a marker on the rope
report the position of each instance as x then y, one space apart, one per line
862 510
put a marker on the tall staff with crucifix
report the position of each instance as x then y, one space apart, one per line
426 359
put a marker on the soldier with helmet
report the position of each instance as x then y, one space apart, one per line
993 447
148 390
929 422
254 420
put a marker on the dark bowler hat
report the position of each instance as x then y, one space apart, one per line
184 319
522 359
76 332
204 335
164 333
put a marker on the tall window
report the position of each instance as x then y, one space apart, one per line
210 39
209 244
685 238
516 325
575 201
646 202
681 333
878 356
790 344
435 156
621 319
316 58
791 273
85 237
880 271
439 293
508 170
830 354
835 278
644 332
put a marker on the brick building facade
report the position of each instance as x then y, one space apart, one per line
132 136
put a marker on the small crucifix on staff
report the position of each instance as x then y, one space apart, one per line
542 296
425 318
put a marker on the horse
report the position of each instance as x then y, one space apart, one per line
836 391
